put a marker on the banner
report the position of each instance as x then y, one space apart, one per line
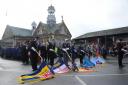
42 73
97 60
60 67
100 59
87 63
86 70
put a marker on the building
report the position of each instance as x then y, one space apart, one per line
50 31
13 36
104 37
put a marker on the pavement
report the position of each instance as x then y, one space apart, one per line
106 74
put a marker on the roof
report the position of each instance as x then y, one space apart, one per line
105 32
16 31
53 29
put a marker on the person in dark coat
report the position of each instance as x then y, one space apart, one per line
120 53
33 54
51 53
81 54
66 53
73 53
43 52
104 52
24 54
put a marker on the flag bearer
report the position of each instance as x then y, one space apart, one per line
33 54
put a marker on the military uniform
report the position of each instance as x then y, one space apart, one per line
120 53
81 54
51 53
33 55
43 52
24 54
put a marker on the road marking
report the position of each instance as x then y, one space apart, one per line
106 75
91 75
81 81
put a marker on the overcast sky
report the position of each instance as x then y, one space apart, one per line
80 16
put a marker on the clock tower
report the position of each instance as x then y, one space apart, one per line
51 19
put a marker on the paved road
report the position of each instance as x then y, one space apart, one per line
106 74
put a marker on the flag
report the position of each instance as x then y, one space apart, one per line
60 67
93 60
43 73
97 60
101 60
87 63
86 70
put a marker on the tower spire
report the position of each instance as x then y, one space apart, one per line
62 18
51 19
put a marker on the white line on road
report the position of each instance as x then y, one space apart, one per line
91 75
81 81
125 74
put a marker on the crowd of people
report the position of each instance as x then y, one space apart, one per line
36 52
67 52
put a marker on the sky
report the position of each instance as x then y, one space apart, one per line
80 16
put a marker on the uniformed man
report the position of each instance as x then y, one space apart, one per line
120 53
73 53
33 54
43 52
24 54
81 54
51 53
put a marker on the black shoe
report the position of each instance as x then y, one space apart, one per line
121 66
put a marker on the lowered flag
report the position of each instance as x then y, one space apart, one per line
87 63
100 59
97 60
86 70
43 73
60 67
